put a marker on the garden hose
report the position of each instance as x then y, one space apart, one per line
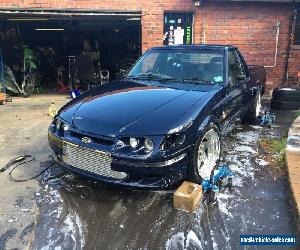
21 160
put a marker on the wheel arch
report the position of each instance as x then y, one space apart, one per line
208 120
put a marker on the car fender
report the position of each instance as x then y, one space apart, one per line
209 119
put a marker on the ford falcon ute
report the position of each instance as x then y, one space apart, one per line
162 122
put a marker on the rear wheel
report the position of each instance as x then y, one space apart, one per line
207 151
251 116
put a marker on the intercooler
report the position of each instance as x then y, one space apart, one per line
91 160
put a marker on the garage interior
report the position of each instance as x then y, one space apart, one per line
70 49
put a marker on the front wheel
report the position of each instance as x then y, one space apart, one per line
206 152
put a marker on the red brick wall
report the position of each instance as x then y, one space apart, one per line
250 26
294 61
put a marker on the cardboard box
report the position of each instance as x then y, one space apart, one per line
187 196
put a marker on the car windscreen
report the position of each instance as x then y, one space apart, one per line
195 66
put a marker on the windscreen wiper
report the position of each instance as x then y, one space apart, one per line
196 80
149 76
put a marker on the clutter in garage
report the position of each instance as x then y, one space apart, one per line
62 53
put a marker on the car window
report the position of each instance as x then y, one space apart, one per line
200 66
149 62
236 67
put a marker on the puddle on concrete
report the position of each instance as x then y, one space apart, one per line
76 213
10 233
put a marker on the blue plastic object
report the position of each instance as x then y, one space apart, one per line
217 181
74 93
267 119
208 185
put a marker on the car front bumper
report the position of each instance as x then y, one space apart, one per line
157 174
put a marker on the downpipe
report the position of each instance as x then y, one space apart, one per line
291 32
276 45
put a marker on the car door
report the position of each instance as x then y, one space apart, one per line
236 87
245 80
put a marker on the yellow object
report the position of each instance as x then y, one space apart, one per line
187 196
52 110
2 97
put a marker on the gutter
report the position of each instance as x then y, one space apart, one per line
67 12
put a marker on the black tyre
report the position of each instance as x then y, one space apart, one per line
286 94
206 152
250 117
285 105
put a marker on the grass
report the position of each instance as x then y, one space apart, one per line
274 153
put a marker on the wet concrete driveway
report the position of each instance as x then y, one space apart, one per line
76 213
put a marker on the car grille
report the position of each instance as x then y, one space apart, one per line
90 160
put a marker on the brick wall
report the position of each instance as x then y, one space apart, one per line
294 61
250 26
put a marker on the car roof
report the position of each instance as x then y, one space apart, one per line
196 46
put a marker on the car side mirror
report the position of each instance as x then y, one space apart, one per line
122 72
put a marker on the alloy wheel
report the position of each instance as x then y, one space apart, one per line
208 153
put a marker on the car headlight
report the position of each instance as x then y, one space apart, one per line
141 144
57 124
66 127
133 142
148 144
171 141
